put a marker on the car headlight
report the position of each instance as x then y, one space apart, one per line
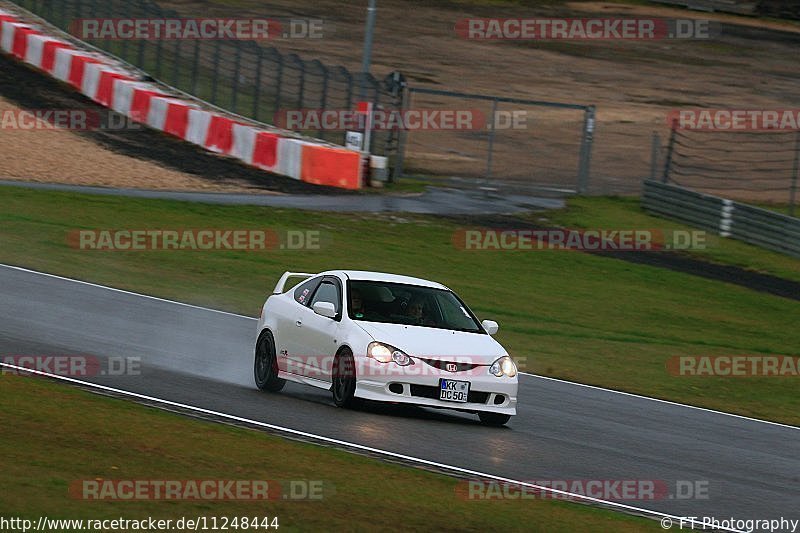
503 367
384 353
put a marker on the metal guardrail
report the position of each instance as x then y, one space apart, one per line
728 6
743 222
761 8
778 9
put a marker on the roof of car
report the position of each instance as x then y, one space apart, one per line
364 275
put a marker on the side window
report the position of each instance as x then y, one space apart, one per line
328 292
302 293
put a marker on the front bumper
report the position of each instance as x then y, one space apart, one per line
419 385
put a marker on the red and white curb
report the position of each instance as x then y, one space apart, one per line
109 84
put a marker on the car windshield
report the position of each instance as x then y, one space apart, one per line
398 303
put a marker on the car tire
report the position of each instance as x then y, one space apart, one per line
343 386
265 367
494 419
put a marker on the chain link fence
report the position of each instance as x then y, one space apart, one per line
259 82
755 166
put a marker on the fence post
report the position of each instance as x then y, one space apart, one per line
215 74
123 53
176 63
376 102
324 92
302 89
395 84
195 62
796 169
490 148
278 84
397 171
140 54
349 91
257 88
366 57
77 13
585 158
670 148
655 150
63 20
237 63
157 70
48 11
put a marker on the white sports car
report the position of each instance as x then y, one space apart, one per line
375 336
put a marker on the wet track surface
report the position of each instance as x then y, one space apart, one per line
563 431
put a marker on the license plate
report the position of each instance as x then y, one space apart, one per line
451 390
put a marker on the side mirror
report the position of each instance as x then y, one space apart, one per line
325 309
490 326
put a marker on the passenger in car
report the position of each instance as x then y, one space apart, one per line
357 303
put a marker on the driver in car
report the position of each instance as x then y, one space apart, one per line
416 311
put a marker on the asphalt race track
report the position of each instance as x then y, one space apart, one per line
203 358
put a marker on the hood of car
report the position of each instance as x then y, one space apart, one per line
437 344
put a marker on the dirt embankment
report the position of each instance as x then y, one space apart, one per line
134 157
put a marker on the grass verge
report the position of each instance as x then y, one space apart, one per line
569 315
54 436
625 213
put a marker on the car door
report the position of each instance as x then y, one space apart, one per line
319 335
289 343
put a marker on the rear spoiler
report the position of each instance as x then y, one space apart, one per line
285 277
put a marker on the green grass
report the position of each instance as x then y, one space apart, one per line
564 314
405 185
624 213
782 208
54 436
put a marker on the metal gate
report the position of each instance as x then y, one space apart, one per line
520 143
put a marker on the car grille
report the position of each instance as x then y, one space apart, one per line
443 365
427 391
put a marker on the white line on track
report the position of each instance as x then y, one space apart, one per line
659 400
208 309
688 521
